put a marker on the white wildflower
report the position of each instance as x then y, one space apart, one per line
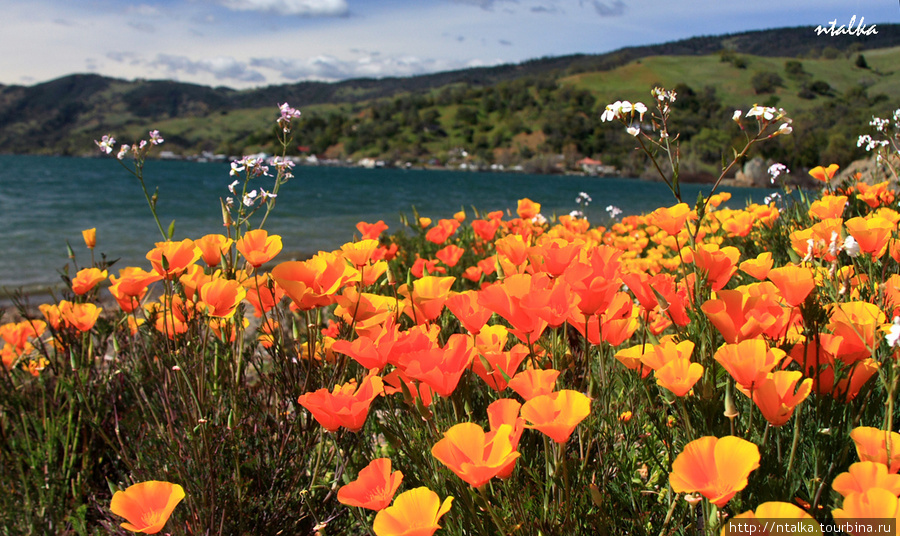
851 246
776 170
106 143
893 336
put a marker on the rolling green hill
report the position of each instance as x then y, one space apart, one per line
508 114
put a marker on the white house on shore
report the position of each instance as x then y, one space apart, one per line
595 167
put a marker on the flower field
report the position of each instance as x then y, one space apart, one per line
490 372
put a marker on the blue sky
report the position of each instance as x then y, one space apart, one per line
247 43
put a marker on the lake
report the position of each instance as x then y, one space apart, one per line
45 202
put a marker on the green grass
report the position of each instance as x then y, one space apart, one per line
634 80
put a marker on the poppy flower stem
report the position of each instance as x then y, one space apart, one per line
494 517
796 439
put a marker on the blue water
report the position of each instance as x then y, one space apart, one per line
47 201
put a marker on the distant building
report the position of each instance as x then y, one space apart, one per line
595 167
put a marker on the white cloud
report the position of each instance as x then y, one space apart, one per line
311 8
609 9
487 5
141 26
143 10
374 65
222 68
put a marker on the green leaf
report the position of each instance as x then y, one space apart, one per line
171 229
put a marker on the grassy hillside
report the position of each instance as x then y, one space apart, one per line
734 86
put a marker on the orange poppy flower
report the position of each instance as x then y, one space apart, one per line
422 267
532 383
485 229
759 522
258 247
193 278
863 476
679 375
170 259
468 311
551 300
506 299
263 293
553 255
347 405
718 264
397 381
374 487
642 285
90 237
221 297
794 282
81 316
491 339
494 367
426 301
631 358
749 361
147 505
172 316
758 267
670 219
738 223
513 249
739 316
409 344
857 323
506 411
488 265
777 395
658 356
528 209
876 194
371 351
716 468
828 206
441 368
371 230
442 231
212 246
86 279
52 314
557 414
269 332
872 234
18 333
849 386
597 280
475 456
472 273
414 513
615 325
824 174
225 329
871 505
314 282
133 282
360 253
450 254
871 446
